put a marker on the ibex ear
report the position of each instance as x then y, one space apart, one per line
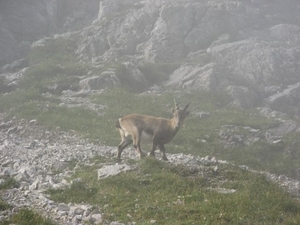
186 107
172 110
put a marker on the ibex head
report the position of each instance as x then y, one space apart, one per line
179 114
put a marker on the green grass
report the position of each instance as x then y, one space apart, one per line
24 216
9 183
156 190
171 195
55 51
30 104
4 205
27 217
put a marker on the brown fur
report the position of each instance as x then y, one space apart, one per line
161 131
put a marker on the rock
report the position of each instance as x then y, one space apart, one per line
233 136
223 190
275 135
287 99
97 218
116 223
39 19
193 77
203 115
243 97
112 170
63 207
7 172
15 66
58 88
107 79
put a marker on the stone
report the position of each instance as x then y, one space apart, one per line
108 79
112 170
97 218
63 207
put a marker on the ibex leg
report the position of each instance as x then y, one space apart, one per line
152 153
137 146
163 150
124 143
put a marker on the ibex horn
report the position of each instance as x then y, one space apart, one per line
176 105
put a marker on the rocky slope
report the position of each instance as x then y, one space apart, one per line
39 159
248 48
23 22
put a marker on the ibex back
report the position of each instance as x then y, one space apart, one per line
134 128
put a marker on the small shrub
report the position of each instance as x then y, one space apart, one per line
3 206
9 183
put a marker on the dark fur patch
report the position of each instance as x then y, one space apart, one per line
149 131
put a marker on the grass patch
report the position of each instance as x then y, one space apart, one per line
24 216
9 183
27 217
160 192
55 51
11 103
31 104
43 77
4 205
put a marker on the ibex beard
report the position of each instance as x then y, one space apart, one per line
135 128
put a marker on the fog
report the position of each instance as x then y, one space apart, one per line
70 69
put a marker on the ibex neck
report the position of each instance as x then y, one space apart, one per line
175 124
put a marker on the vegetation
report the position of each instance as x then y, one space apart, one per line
27 217
24 216
156 191
9 183
169 194
30 104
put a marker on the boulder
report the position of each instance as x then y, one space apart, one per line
112 170
243 96
107 79
24 22
287 99
194 77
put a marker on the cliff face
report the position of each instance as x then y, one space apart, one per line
25 21
251 49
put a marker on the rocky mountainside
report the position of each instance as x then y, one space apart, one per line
23 22
250 49
40 159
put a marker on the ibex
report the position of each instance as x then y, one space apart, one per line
135 128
